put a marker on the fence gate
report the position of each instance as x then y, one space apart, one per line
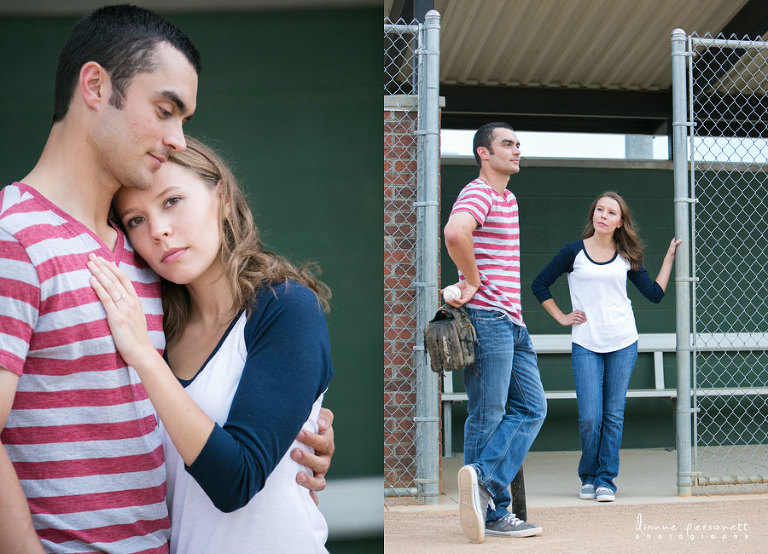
724 88
411 220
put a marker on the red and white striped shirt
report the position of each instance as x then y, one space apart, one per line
497 247
82 434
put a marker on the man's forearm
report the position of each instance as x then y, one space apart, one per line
17 533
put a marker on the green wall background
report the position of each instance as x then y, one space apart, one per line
293 100
554 202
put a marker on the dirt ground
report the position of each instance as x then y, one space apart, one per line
691 525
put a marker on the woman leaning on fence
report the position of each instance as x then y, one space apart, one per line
603 332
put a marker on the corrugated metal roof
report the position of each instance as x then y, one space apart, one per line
591 44
597 44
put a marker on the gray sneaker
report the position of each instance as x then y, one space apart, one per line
604 494
587 491
511 526
473 504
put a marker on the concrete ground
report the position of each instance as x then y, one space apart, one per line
647 516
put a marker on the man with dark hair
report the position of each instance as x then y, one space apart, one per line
506 405
122 40
484 136
82 467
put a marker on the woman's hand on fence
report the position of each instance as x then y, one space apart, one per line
673 244
666 266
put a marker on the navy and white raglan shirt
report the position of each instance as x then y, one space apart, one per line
600 291
263 383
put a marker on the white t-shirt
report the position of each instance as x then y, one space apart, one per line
600 291
249 380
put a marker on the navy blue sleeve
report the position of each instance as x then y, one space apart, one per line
561 263
288 366
647 286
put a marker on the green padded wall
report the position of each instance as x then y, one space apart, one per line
553 203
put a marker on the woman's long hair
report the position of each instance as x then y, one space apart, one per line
247 266
626 238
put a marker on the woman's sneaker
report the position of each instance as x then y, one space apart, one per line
604 494
587 491
511 526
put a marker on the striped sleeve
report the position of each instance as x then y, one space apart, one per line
19 303
476 201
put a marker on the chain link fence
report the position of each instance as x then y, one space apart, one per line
411 423
727 84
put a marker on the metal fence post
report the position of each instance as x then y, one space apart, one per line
682 265
427 384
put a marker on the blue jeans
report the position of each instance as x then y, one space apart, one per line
506 405
602 380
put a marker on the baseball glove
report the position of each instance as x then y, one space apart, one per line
450 339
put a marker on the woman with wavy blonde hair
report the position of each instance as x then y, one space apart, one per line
248 267
625 237
248 359
603 331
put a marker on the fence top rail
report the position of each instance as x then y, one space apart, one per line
728 43
740 167
401 28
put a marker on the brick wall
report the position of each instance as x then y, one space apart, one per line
399 298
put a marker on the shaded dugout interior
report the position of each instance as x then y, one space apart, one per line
292 100
554 197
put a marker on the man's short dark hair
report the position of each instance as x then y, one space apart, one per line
122 40
484 137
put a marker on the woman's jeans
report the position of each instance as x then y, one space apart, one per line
506 405
602 380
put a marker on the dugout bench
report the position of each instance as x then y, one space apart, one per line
656 343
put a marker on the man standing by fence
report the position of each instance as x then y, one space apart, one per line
506 405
